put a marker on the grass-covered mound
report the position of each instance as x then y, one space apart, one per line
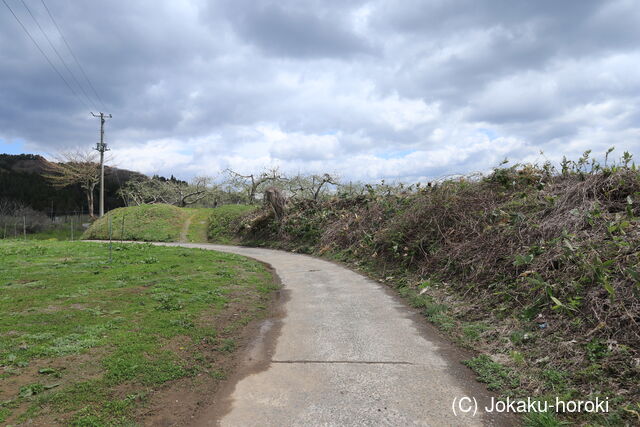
149 223
223 222
90 342
538 269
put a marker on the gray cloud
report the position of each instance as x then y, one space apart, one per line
369 89
296 29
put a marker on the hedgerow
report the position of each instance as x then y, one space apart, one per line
549 256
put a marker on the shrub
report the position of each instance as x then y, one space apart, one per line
223 222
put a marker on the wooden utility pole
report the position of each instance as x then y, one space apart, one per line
102 147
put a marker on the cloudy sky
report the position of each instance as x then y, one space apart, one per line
389 89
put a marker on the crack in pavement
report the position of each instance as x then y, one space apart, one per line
355 362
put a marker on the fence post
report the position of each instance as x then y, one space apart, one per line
122 231
72 228
110 244
24 226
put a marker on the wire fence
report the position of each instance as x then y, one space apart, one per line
38 226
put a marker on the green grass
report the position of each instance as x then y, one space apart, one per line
495 375
221 219
197 232
76 330
59 232
543 419
150 223
53 233
153 223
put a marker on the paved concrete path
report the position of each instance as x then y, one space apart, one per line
346 351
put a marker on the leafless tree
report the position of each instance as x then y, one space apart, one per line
142 191
319 181
251 183
76 167
172 192
8 207
192 193
311 186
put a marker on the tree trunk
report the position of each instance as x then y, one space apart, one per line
317 192
90 203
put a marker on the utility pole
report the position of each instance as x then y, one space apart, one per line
102 147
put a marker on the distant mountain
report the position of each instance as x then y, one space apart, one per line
21 179
22 163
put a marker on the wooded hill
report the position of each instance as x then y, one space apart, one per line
22 180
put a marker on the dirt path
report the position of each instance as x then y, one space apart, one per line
185 229
346 352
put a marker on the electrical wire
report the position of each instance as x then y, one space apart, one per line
73 55
45 55
64 63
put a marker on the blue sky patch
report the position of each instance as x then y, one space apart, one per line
398 154
15 147
489 132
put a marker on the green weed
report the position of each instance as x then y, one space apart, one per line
121 314
495 375
543 419
220 220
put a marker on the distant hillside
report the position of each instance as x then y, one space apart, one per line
23 163
21 179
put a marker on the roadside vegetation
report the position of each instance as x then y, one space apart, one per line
535 268
220 228
88 341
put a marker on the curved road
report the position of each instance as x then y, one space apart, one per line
345 351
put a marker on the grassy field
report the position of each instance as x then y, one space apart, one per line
149 223
59 232
220 230
166 223
86 341
54 233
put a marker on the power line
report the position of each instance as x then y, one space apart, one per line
64 63
64 39
45 55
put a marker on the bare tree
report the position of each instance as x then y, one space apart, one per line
141 191
189 194
311 186
251 183
319 181
76 167
172 192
